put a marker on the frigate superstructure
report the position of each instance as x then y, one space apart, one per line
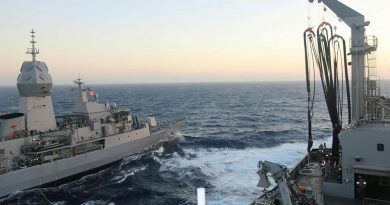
356 169
34 85
36 149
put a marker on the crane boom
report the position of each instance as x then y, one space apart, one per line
351 17
356 22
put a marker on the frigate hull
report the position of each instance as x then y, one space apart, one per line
126 144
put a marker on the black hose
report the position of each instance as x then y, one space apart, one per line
331 60
308 89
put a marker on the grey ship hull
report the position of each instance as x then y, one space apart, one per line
51 172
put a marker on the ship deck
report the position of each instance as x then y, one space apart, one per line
312 176
314 180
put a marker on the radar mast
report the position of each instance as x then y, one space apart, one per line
33 51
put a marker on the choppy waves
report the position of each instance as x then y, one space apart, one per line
229 128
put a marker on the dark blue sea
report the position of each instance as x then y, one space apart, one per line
229 128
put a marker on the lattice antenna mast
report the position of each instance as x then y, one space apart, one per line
33 51
79 82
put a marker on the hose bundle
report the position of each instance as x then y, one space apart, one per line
326 53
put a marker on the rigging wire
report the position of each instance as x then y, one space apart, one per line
308 14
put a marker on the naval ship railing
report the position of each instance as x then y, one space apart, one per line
377 108
167 123
371 41
385 111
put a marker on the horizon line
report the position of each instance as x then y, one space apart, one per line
193 82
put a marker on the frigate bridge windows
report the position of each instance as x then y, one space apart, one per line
380 147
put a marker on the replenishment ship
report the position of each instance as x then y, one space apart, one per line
356 169
37 149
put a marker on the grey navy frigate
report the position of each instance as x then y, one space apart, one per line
36 149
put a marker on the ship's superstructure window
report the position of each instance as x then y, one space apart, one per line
380 147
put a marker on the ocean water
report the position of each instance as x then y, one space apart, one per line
229 128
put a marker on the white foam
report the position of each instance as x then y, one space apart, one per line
233 172
122 175
95 202
59 203
159 151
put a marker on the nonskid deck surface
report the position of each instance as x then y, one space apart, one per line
314 180
310 177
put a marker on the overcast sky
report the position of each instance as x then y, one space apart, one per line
153 41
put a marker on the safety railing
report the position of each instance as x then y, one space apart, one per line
371 41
